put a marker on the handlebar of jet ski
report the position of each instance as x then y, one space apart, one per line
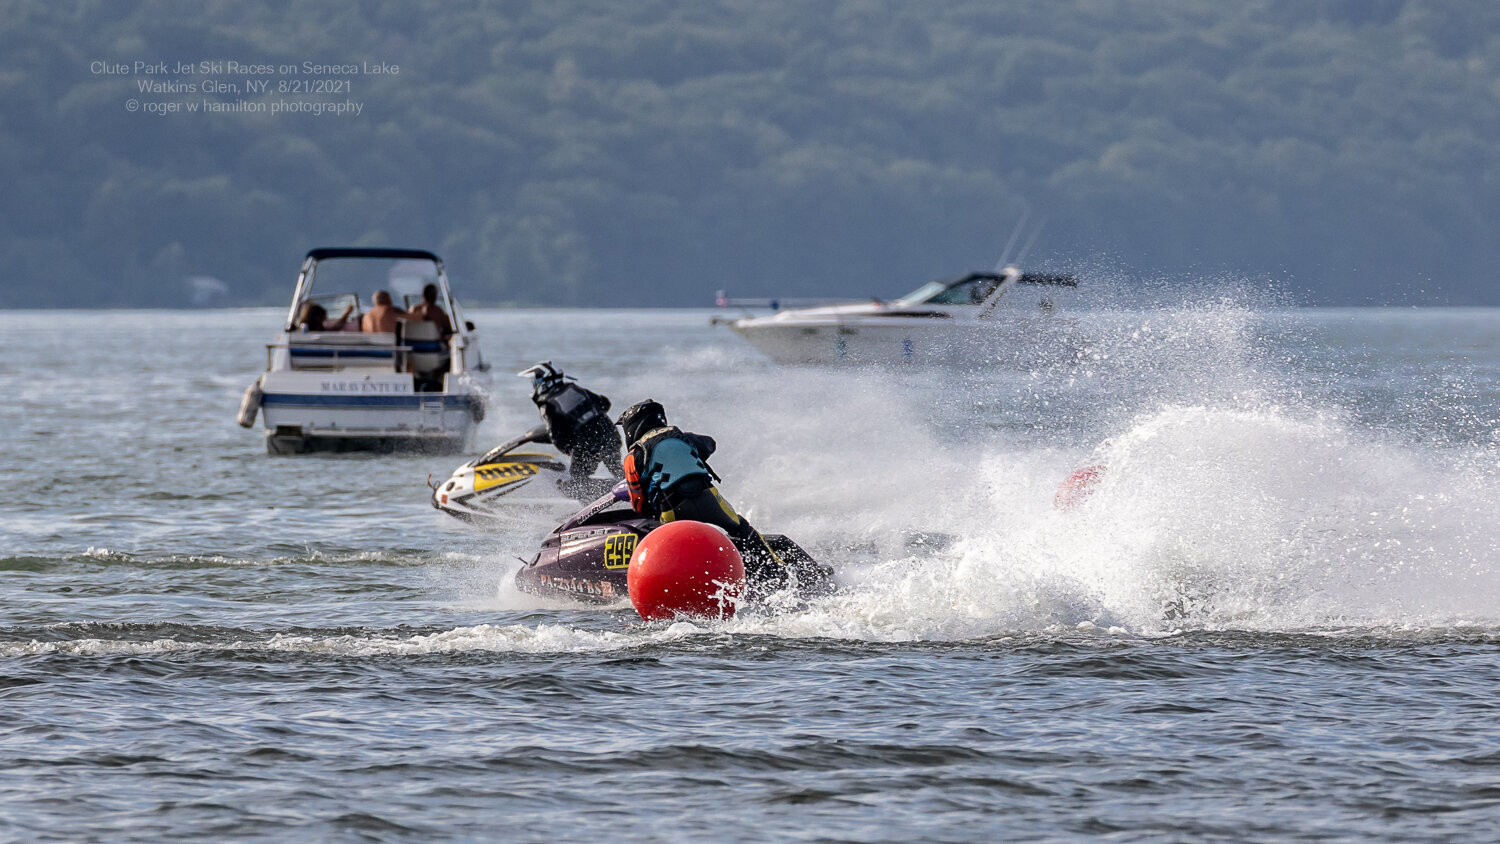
620 492
537 434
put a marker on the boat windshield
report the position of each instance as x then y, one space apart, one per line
970 291
338 282
402 279
335 306
923 293
335 303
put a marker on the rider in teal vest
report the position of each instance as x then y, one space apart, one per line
669 478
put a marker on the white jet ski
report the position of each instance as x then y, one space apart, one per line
504 479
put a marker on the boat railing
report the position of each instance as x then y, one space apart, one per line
333 355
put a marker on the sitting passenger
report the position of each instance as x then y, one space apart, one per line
428 310
382 317
315 318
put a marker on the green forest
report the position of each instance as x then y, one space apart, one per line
577 152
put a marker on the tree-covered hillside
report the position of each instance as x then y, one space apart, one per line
579 152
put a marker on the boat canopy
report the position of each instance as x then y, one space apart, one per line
340 284
372 252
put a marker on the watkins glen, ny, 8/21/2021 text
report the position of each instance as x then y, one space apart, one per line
160 85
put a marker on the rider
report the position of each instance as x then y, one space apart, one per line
577 422
669 478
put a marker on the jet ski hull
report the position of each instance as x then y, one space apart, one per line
586 559
482 489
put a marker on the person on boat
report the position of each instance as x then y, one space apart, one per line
576 421
428 310
382 316
669 478
315 318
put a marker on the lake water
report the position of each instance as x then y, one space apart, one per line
1277 617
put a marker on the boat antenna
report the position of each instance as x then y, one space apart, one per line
1014 235
1026 250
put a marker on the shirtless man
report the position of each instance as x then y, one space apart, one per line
382 317
430 311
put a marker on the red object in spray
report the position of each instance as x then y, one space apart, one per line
1077 486
685 568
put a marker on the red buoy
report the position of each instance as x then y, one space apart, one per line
1078 486
685 568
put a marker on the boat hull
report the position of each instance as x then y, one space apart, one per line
900 342
311 412
290 440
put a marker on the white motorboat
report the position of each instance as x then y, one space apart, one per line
339 389
1006 316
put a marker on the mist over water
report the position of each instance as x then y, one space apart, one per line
1292 503
1243 489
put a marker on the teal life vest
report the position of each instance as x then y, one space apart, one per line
672 461
661 460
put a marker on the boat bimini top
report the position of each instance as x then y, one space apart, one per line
412 293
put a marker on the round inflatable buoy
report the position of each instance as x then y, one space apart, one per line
685 568
1077 486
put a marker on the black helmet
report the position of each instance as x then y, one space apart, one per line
641 417
544 378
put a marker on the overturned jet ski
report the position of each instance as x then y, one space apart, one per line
586 557
503 478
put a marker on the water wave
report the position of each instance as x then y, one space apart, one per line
513 638
1206 518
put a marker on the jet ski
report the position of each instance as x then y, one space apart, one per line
503 478
585 558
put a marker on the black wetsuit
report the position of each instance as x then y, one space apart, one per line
578 424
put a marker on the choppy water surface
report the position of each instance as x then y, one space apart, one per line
1277 617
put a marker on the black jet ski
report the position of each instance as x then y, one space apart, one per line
585 558
503 478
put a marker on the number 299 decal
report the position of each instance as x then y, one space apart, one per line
617 550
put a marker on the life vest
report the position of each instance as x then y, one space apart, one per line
633 484
659 461
574 405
